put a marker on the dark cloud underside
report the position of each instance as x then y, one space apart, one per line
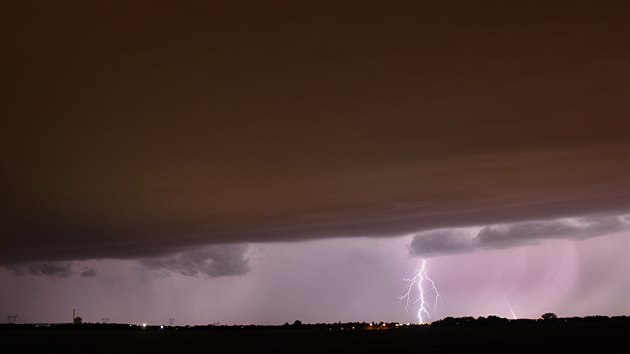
52 269
212 261
140 129
457 240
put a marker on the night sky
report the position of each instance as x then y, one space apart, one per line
264 162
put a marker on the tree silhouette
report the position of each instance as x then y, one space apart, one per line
549 316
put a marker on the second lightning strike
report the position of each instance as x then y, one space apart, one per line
426 286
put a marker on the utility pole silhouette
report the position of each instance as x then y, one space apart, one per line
12 318
77 320
170 321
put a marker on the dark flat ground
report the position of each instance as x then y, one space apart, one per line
597 337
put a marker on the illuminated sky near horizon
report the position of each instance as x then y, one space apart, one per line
266 162
358 279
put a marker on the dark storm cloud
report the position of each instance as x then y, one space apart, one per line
137 129
442 241
52 269
88 272
453 241
212 261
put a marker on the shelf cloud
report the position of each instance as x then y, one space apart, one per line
136 134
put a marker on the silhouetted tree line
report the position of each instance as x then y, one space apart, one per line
467 321
547 318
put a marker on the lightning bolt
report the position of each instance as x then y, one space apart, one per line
510 307
426 286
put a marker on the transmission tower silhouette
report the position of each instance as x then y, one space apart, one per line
12 318
170 321
105 319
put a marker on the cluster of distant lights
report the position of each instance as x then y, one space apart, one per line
382 325
370 325
144 325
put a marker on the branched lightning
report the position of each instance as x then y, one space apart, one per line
426 286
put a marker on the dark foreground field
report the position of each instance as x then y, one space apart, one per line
599 336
